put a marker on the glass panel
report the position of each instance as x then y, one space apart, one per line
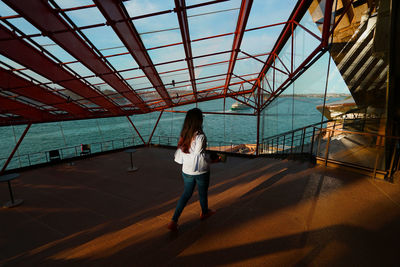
208 46
80 69
142 7
5 10
87 16
13 64
260 41
210 23
73 3
34 75
171 66
211 70
23 25
123 62
103 37
304 43
178 77
269 12
54 49
247 66
167 54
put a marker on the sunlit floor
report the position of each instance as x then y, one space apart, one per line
269 213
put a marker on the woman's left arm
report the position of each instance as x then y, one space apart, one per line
198 148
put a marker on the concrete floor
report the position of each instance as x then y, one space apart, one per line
269 213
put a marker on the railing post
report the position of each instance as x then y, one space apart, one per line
302 139
272 146
312 141
277 145
319 141
392 160
377 156
283 146
291 146
327 149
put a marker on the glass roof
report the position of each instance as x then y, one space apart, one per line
171 53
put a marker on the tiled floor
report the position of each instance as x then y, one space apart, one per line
269 213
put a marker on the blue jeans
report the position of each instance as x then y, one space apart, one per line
203 181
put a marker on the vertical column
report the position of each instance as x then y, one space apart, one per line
155 126
16 147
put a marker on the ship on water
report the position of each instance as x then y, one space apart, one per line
93 97
239 106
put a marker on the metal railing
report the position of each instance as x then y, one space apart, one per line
69 152
300 140
221 146
74 152
333 144
327 142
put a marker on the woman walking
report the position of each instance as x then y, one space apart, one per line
195 166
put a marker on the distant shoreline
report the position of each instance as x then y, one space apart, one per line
315 95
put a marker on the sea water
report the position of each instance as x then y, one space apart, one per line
284 114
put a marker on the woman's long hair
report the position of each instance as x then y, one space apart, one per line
192 125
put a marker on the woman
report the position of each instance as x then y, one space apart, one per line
195 167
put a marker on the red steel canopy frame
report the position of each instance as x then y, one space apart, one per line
54 23
25 54
27 89
287 32
114 11
42 16
239 32
184 27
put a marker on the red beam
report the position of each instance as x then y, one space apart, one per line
14 83
30 113
296 15
239 32
23 53
15 148
327 23
115 11
279 90
184 27
43 17
155 126
134 127
208 98
213 113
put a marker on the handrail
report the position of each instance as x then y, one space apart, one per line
30 159
310 140
290 131
354 151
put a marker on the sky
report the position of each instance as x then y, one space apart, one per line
204 21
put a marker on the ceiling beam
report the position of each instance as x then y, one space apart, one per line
244 13
49 22
184 27
26 111
16 84
25 54
117 17
297 14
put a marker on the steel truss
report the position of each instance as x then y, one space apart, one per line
89 102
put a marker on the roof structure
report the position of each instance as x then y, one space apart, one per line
68 60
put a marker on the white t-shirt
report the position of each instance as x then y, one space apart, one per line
194 162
